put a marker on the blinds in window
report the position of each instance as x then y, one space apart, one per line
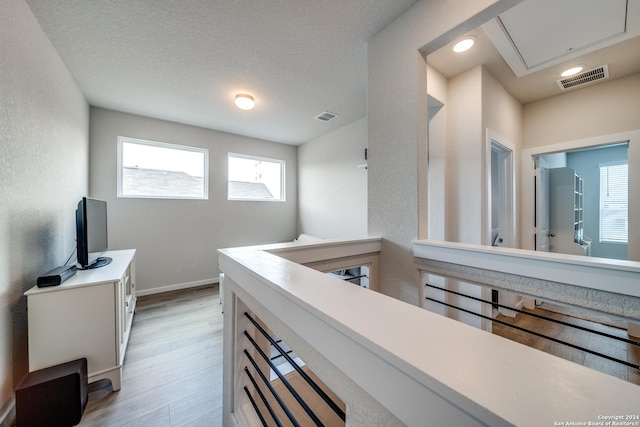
614 218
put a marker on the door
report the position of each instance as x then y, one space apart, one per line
541 204
502 197
501 215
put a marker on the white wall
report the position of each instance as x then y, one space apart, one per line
436 178
43 174
502 115
437 152
606 108
332 190
472 102
465 168
501 112
397 115
177 239
477 102
464 178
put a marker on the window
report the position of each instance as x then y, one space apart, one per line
614 218
255 178
149 169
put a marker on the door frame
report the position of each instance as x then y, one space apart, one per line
506 150
527 177
541 204
507 187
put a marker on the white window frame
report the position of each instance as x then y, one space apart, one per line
124 139
600 204
261 159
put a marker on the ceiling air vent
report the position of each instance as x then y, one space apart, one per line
585 78
326 116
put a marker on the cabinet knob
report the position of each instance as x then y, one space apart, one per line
551 235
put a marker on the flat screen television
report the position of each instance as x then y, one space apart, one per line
91 233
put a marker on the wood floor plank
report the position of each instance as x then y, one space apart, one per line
594 342
158 418
196 408
172 374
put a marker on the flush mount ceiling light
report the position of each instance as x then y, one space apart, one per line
244 101
463 44
571 71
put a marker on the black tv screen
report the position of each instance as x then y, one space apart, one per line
91 233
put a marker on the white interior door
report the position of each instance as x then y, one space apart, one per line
501 212
503 199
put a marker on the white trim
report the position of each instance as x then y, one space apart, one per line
527 174
506 149
304 253
510 187
8 414
618 276
176 287
119 167
283 175
454 375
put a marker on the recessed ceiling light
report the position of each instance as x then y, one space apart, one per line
571 71
244 101
463 44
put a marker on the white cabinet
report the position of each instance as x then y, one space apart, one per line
566 213
89 315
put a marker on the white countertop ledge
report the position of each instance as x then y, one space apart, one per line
494 380
618 276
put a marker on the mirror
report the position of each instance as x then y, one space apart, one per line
515 101
520 56
587 194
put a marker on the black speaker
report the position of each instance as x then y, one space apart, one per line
56 276
54 396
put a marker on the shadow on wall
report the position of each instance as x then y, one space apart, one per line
31 252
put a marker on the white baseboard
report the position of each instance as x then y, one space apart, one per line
176 287
8 413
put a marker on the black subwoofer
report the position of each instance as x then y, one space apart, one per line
54 396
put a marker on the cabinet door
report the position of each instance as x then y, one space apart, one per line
120 321
73 323
127 286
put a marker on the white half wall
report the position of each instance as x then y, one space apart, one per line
44 134
176 240
332 189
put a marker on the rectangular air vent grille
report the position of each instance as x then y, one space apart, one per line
326 116
584 78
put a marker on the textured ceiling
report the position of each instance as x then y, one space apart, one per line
619 51
184 60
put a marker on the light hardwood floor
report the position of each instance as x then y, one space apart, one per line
601 344
172 372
